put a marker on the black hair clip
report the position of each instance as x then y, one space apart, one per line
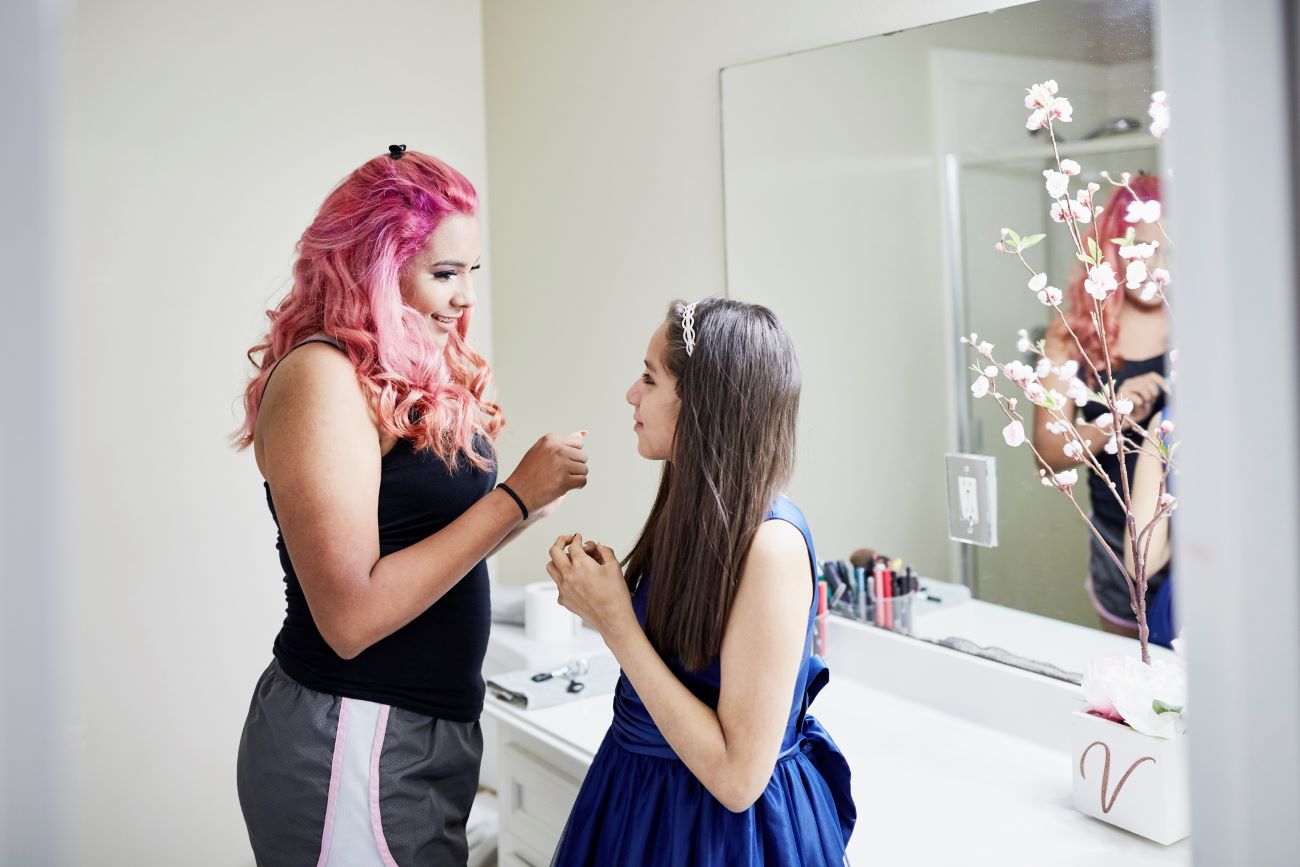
395 151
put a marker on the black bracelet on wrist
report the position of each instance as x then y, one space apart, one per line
519 502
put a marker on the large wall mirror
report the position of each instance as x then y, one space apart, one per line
865 186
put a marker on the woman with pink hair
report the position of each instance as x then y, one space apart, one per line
375 438
1136 325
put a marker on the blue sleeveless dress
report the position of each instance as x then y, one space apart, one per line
641 806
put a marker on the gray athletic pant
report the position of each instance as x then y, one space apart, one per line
325 780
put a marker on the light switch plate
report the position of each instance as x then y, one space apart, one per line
972 499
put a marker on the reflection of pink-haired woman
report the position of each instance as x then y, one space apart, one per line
1137 334
362 742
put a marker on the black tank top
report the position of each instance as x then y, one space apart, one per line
1104 507
432 665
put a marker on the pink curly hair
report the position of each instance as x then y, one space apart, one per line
1111 223
346 283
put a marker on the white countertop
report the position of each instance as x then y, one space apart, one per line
930 787
1065 645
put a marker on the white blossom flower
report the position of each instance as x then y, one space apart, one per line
1051 296
1037 119
1068 370
1161 277
1035 392
1104 421
1168 502
1112 446
1135 274
1037 282
1123 406
1159 113
980 387
1143 212
1078 392
1014 434
1073 449
991 371
984 348
1058 427
1062 110
1019 373
1069 167
1062 480
1044 368
1023 344
1101 281
1079 212
1149 292
1041 95
1166 427
1139 251
1057 184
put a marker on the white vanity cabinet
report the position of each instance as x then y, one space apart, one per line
542 758
955 760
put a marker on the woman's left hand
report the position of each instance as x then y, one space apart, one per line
591 583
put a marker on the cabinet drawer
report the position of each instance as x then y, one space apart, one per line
514 853
537 797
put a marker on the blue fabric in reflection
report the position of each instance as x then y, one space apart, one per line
640 806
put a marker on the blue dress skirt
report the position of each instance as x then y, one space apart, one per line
640 805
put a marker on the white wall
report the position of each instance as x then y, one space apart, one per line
605 158
204 136
33 580
1238 505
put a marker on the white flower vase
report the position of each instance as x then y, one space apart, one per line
1131 780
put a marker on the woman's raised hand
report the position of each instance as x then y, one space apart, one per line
555 465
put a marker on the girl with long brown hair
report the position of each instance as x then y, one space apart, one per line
712 757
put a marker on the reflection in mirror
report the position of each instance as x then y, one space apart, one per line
866 184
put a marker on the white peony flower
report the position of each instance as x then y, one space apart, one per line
1148 698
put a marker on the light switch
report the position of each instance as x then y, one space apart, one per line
972 499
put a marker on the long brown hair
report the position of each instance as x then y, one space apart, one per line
732 455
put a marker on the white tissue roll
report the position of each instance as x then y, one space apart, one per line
545 619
